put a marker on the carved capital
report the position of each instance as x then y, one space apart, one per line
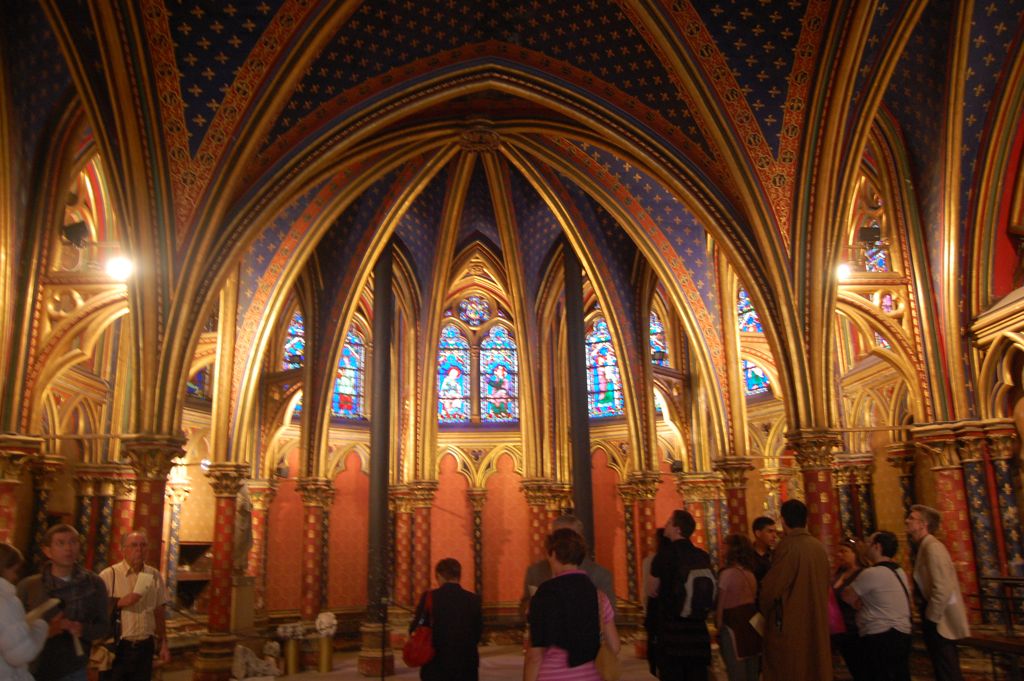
939 442
44 471
226 478
176 493
152 456
124 489
900 456
315 492
644 485
1003 440
855 468
480 138
421 493
536 491
262 493
699 486
842 476
972 443
734 471
477 497
15 452
813 449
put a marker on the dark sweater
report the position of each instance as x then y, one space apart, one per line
83 599
564 613
678 636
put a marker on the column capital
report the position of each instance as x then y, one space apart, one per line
15 452
813 449
900 456
102 477
644 484
1003 439
477 496
537 491
45 469
262 493
177 492
226 478
858 466
421 493
939 442
315 491
734 471
151 456
124 488
699 486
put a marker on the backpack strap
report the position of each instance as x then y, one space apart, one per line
894 567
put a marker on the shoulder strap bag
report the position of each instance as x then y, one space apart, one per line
419 648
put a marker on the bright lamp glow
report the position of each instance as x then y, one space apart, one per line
843 271
120 268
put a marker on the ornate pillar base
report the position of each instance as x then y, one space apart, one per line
213 661
376 658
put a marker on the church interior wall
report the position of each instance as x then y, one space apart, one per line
348 534
506 533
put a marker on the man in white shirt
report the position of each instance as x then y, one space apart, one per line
140 595
881 595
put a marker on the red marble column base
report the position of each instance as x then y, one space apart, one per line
375 661
951 500
213 661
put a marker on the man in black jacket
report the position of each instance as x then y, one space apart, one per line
83 602
684 645
456 617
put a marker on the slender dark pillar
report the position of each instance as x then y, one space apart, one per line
579 419
375 656
380 437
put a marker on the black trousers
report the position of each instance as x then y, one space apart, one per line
942 651
675 668
887 655
132 662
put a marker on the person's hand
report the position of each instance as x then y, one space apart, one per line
56 625
73 628
129 600
165 652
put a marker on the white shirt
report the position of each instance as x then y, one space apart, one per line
884 603
137 621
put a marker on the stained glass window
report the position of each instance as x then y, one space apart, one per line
294 343
880 340
199 385
499 376
754 378
886 303
474 310
876 258
659 348
604 385
452 376
748 319
347 399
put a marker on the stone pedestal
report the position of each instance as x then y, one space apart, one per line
376 658
213 661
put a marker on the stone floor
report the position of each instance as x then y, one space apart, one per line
505 663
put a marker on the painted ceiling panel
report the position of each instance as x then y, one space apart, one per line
916 97
478 213
420 226
539 230
384 35
886 19
759 42
206 33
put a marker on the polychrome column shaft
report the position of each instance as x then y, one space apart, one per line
814 455
262 494
316 495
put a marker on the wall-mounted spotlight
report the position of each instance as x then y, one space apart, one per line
843 271
76 233
119 268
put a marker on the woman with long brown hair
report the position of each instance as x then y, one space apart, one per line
738 642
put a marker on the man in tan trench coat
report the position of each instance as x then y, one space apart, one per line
794 602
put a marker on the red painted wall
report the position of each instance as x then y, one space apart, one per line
506 535
451 521
668 498
349 537
284 549
609 528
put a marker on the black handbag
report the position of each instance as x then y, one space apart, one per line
102 653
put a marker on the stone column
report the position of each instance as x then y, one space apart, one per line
85 485
104 490
697 489
422 498
843 478
1003 446
403 548
777 483
316 498
477 497
939 442
862 471
972 444
151 458
734 476
262 494
15 452
632 556
579 418
901 456
538 499
124 513
177 492
225 479
44 470
814 456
